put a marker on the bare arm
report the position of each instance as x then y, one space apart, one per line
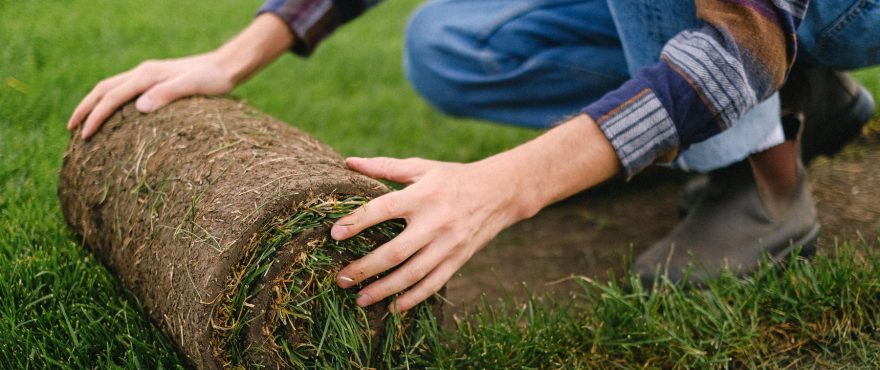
161 82
263 41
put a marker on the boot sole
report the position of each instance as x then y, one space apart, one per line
808 244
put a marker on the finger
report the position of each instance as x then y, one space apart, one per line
112 100
429 286
160 95
384 208
383 258
404 171
88 103
403 277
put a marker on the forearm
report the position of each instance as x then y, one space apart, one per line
562 162
263 41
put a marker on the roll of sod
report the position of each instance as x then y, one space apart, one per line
216 217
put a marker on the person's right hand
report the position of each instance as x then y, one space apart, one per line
157 82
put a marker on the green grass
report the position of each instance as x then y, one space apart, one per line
60 308
328 329
810 314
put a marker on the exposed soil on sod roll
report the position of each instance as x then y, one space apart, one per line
216 216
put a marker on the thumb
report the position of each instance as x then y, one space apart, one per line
162 94
404 171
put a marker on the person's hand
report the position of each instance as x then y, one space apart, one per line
451 211
157 82
161 82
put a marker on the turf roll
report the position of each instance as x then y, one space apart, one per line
216 217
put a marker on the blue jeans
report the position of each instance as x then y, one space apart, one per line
535 62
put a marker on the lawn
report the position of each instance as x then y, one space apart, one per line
60 308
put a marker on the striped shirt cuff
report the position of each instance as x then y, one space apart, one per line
639 129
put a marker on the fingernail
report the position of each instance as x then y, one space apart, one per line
344 281
364 300
146 104
338 232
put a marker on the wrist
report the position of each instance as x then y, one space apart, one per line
512 182
569 158
264 40
234 66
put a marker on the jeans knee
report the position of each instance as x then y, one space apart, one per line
432 58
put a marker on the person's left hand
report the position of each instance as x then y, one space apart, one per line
451 211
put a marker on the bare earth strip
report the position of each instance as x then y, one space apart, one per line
600 230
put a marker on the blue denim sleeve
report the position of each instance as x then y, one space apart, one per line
706 80
313 20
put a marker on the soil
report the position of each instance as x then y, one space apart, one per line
599 231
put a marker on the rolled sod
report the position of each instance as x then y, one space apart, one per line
216 216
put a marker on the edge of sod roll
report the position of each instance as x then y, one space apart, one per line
312 321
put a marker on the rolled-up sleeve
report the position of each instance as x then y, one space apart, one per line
706 80
313 20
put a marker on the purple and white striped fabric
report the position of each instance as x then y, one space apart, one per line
706 80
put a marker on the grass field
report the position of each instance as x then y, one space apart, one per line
60 308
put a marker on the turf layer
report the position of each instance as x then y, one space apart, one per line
315 324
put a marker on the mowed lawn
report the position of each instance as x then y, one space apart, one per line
60 308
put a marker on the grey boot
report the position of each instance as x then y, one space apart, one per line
834 106
731 226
